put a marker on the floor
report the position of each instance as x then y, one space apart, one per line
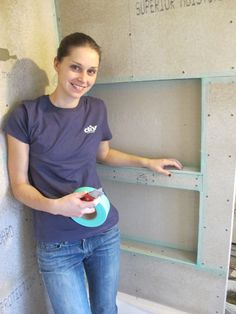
128 304
125 308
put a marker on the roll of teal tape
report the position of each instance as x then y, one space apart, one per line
100 216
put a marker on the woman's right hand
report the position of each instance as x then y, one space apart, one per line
71 205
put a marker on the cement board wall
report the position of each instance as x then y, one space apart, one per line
28 44
147 39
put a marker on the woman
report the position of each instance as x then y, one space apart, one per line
54 142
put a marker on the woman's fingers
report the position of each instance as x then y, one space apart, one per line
176 163
87 210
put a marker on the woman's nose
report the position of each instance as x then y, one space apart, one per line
82 76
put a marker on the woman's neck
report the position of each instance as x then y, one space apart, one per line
63 101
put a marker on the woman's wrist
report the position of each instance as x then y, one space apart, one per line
145 162
53 206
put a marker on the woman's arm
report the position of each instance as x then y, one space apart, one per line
18 164
113 157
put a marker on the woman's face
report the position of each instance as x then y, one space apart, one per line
77 72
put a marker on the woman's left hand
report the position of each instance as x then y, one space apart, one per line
158 165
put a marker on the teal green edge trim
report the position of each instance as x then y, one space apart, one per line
203 170
214 76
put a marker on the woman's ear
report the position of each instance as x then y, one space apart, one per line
56 64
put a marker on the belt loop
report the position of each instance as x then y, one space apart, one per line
83 243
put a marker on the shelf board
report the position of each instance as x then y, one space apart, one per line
187 178
153 250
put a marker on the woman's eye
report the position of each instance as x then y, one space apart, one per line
75 68
92 72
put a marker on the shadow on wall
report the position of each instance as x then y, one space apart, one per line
25 81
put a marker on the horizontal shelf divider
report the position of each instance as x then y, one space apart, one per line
187 178
153 250
167 253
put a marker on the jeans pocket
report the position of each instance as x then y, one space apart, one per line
48 256
49 246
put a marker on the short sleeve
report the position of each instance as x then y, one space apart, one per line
106 132
17 124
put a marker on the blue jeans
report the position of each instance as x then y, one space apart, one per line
68 268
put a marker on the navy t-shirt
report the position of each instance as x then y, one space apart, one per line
63 145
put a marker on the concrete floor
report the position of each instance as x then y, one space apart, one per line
128 304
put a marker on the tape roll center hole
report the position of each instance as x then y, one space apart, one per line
90 216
